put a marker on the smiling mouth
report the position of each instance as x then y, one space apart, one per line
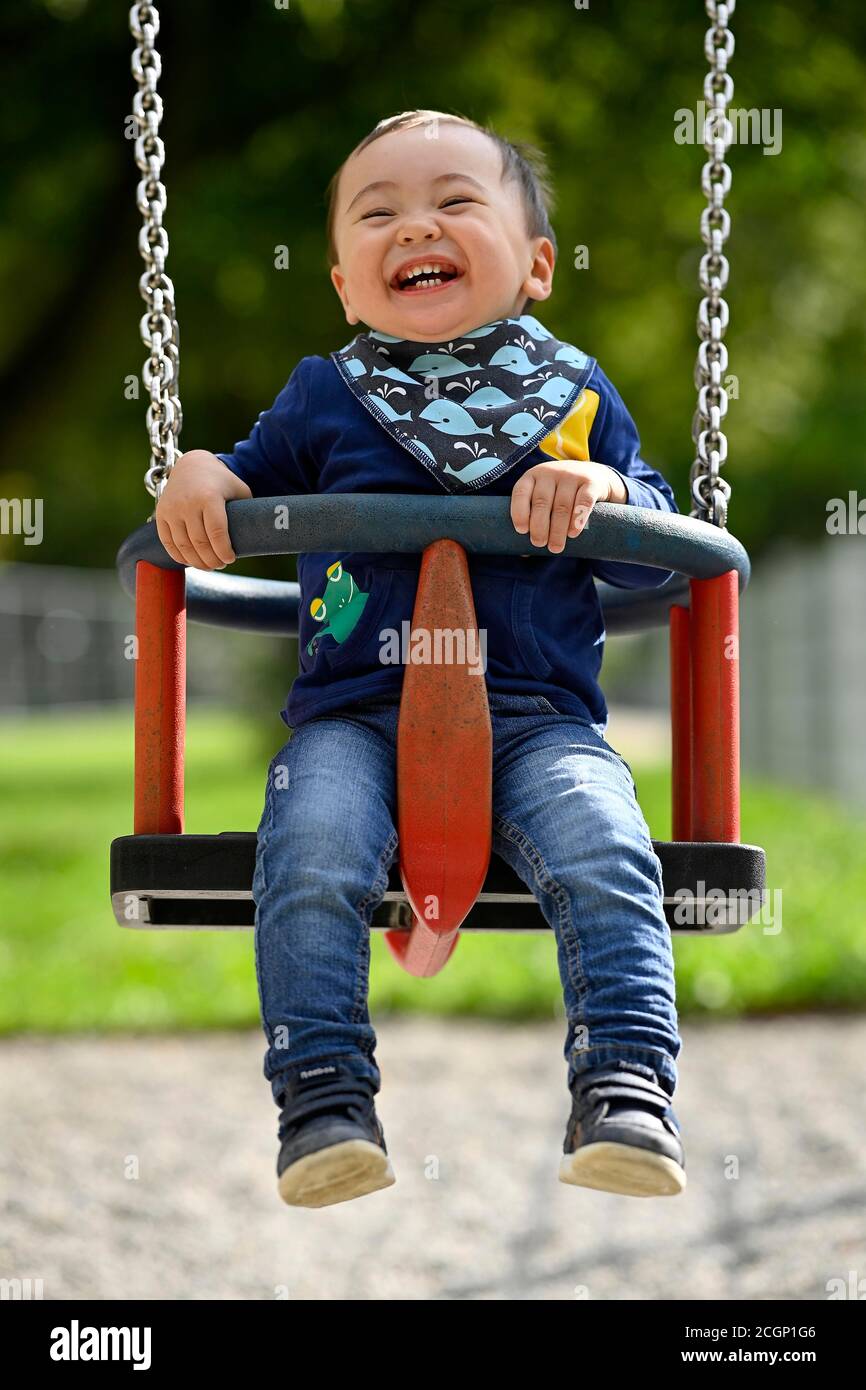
430 275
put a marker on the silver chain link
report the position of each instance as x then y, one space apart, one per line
709 491
159 331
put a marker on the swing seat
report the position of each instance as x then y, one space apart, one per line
164 879
204 882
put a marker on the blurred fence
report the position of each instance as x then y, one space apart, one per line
64 641
63 635
803 667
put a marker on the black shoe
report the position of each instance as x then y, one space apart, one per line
622 1136
333 1146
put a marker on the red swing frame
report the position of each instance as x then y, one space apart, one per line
444 783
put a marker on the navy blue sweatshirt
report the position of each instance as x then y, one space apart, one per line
541 613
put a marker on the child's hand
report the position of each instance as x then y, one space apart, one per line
553 500
190 515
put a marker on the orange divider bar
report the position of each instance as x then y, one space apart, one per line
444 764
715 685
681 724
160 699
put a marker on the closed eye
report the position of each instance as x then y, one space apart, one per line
386 212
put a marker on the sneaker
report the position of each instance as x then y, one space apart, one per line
622 1135
332 1144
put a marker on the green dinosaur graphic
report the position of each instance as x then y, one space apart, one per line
341 604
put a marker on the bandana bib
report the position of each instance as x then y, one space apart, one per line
472 408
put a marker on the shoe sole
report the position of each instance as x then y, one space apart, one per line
622 1168
336 1174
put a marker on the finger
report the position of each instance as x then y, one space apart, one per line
163 530
584 500
184 544
543 494
561 512
521 495
207 556
217 528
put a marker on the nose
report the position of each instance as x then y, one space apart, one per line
418 229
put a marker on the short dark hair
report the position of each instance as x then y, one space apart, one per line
522 162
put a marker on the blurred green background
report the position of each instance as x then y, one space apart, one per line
261 105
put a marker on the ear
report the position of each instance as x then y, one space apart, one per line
539 282
338 280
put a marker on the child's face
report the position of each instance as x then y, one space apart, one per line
437 201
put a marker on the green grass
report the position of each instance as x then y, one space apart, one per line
65 793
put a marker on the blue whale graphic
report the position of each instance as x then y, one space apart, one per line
521 427
395 374
484 331
451 418
476 469
424 450
514 359
386 409
556 391
572 355
487 398
439 364
533 327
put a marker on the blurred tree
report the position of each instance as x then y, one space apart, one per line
263 103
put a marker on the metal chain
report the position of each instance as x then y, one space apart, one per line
710 492
159 331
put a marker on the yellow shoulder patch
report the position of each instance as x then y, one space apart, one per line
570 440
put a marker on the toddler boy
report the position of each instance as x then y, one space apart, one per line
440 242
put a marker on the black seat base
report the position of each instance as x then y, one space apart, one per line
204 882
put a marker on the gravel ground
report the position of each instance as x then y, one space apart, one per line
773 1123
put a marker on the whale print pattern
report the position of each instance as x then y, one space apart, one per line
470 409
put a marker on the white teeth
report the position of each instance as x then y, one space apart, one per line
433 269
408 281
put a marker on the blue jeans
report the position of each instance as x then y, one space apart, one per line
565 817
